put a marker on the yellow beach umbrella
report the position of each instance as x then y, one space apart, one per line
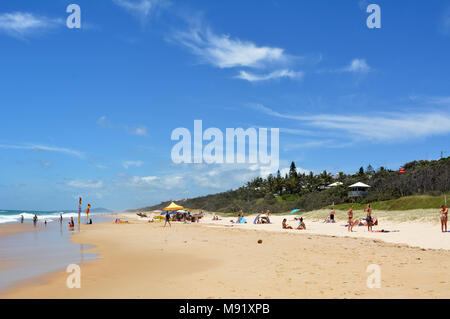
173 207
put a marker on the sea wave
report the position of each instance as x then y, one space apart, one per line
49 217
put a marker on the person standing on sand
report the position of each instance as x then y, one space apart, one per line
60 218
350 219
444 218
21 219
167 219
35 219
368 210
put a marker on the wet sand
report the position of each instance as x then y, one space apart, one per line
145 260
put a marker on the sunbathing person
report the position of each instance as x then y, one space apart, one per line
363 222
301 224
285 225
444 218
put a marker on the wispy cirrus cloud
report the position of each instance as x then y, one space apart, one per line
142 9
140 130
127 164
278 74
85 184
224 51
357 66
23 24
373 127
46 148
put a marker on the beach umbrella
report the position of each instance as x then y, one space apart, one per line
295 211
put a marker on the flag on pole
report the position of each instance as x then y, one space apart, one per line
79 211
87 211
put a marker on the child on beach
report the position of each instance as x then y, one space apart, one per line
301 224
444 218
35 219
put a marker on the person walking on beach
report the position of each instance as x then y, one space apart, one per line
21 219
60 218
350 219
444 218
167 219
368 210
35 219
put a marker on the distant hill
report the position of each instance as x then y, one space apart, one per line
309 191
92 210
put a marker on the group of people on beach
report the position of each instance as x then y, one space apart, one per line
36 219
301 224
369 221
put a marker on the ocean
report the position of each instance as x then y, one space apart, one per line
13 216
42 248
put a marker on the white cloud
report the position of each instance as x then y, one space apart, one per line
142 8
225 52
127 164
374 127
38 147
357 66
244 75
140 130
85 184
21 24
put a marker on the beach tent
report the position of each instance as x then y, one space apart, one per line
173 207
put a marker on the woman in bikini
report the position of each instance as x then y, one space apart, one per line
444 218
350 219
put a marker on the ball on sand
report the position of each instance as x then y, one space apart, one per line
259 241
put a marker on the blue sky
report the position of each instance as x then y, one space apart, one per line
90 111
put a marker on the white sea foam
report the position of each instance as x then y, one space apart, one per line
49 217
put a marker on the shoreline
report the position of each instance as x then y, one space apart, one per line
141 260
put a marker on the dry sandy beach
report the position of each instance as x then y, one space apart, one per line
213 259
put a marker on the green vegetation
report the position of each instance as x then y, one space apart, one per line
403 203
422 185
